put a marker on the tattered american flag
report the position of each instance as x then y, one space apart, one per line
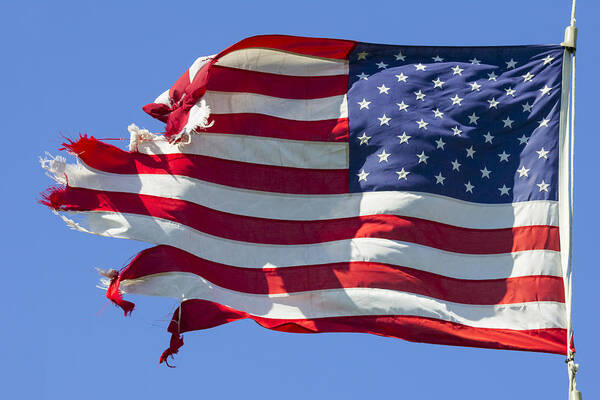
320 185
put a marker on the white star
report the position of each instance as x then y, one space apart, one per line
440 143
547 59
508 122
493 103
503 156
383 120
473 119
456 100
383 156
527 107
439 178
492 76
364 104
404 138
457 70
456 165
510 92
469 187
420 95
488 137
420 67
383 89
437 59
381 65
542 153
402 106
475 61
362 55
470 152
523 139
402 174
437 113
437 82
422 124
485 173
523 171
422 157
364 139
545 90
543 186
401 77
543 122
527 77
475 86
456 130
510 64
503 190
400 56
362 176
363 76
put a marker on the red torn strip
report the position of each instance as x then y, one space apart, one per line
114 294
201 314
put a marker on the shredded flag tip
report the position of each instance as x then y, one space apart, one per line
113 293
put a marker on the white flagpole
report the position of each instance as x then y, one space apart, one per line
570 44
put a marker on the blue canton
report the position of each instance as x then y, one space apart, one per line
475 123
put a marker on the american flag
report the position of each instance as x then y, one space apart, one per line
321 185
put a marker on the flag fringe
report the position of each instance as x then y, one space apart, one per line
138 136
52 197
197 119
55 167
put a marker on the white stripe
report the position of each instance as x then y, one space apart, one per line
197 65
351 302
251 255
257 150
296 109
320 207
163 99
283 63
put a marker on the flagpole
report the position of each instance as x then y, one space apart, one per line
570 45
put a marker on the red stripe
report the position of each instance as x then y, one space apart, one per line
331 130
202 314
178 88
290 87
161 259
158 111
243 175
320 47
282 232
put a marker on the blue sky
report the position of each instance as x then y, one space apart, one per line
71 67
